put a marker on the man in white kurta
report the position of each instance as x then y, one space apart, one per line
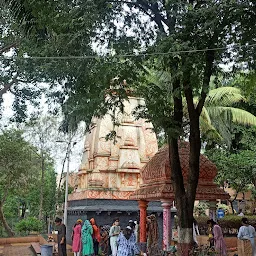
113 234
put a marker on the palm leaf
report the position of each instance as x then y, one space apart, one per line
231 114
158 78
224 96
206 127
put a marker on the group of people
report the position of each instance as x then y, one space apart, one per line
88 238
245 235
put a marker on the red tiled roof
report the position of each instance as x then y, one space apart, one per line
156 176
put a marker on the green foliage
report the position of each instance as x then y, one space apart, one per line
33 197
18 164
20 179
230 224
29 224
199 210
223 206
221 112
236 169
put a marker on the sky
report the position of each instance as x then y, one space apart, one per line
59 150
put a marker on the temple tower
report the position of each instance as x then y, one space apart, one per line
111 169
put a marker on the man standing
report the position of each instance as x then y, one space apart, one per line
113 234
61 228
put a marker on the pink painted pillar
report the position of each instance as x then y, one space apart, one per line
166 204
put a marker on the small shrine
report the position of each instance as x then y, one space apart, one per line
157 186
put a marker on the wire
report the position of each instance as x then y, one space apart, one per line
131 55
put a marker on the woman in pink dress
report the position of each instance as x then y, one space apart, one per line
76 238
219 243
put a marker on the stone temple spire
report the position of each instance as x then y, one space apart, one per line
112 170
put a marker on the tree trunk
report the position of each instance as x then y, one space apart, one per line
42 187
4 222
185 220
23 210
185 215
232 207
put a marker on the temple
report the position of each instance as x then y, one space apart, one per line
110 170
128 177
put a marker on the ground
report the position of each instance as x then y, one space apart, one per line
23 249
18 249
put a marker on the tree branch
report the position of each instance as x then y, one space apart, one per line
8 86
158 18
134 4
145 7
209 58
6 191
7 48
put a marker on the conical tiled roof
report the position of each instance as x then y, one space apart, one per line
156 176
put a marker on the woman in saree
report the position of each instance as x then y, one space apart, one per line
219 243
87 241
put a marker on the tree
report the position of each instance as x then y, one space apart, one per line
192 37
222 110
18 168
235 170
44 132
40 132
16 79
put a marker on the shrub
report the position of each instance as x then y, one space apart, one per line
199 210
29 224
230 224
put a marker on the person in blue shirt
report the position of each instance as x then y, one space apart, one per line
247 232
126 242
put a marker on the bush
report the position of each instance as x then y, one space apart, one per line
199 210
29 224
230 224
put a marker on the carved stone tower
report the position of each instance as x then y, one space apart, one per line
112 170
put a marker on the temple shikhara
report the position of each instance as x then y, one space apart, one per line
111 170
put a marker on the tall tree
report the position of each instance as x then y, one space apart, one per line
42 132
18 168
235 170
16 79
187 38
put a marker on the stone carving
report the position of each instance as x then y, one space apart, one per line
95 180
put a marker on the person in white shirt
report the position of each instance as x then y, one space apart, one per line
240 213
113 234
195 231
247 232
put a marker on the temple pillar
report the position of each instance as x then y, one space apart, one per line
143 205
212 210
166 204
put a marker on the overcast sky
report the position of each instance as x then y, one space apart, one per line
60 149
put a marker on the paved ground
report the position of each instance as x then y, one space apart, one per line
16 250
19 249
